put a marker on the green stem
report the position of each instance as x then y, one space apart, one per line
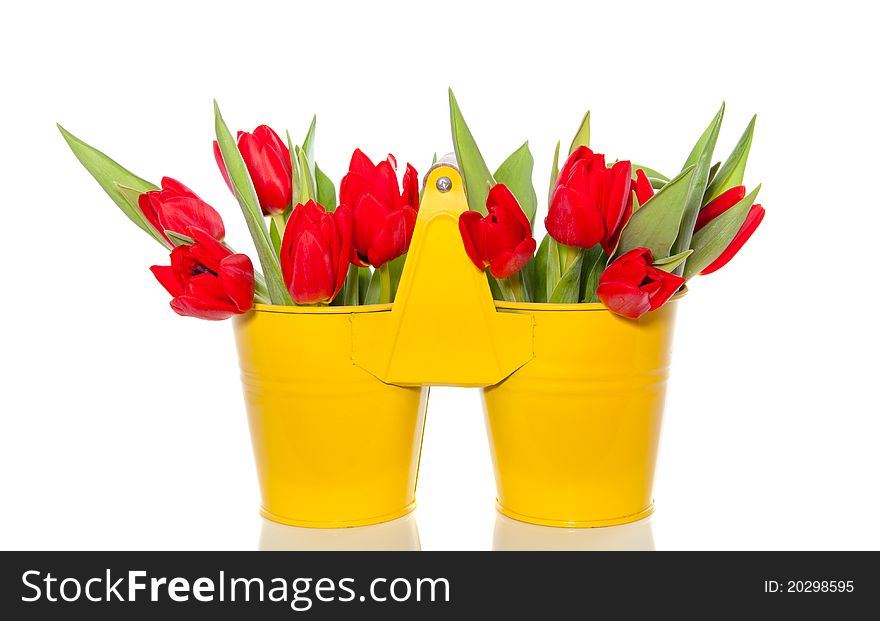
385 284
513 288
351 293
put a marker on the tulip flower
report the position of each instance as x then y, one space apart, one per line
206 279
384 216
502 239
268 163
590 202
717 207
631 286
176 208
315 252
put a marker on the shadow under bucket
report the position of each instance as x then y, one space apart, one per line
334 446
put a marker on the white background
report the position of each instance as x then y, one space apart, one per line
123 424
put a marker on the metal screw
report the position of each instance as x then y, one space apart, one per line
444 184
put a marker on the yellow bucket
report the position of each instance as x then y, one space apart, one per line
334 445
574 432
336 396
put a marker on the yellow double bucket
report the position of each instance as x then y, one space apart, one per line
336 396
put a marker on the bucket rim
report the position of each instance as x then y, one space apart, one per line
321 310
577 306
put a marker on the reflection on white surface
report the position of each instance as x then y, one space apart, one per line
399 534
514 535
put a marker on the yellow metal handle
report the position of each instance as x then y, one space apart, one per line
443 328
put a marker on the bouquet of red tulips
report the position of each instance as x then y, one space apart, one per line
312 249
622 234
618 233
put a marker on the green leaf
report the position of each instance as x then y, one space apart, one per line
732 172
307 182
535 272
476 175
178 239
712 172
364 276
636 205
649 172
396 267
714 238
554 172
553 269
594 264
582 137
516 173
494 287
325 189
701 159
120 184
250 207
275 236
568 288
295 182
657 223
670 263
308 149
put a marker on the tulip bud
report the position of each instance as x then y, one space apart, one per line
315 252
384 216
268 163
725 201
176 208
501 240
630 286
206 279
590 203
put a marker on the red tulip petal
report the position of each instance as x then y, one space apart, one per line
167 278
725 201
369 221
574 220
237 277
218 157
343 222
361 164
178 213
753 219
468 222
667 285
509 263
270 176
410 194
619 202
579 154
147 203
271 139
623 299
394 238
385 181
312 273
642 186
189 306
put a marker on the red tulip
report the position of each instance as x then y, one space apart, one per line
315 252
502 239
591 202
725 201
268 162
384 216
206 279
176 208
631 287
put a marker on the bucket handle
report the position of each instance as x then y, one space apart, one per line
443 328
